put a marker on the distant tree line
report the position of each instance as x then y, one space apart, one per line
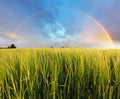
12 46
9 47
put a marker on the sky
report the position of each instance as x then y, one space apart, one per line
44 23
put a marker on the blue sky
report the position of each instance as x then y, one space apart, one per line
37 23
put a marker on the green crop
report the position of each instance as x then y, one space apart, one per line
59 73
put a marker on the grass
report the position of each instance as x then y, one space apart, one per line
60 73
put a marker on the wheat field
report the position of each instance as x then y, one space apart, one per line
59 73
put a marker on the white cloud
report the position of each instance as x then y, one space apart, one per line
117 44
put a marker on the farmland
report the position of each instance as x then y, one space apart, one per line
60 73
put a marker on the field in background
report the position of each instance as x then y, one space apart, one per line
59 73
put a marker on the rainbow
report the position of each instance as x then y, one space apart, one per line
105 35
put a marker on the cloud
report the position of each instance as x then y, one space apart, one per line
11 36
28 43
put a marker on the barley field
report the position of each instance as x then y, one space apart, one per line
59 73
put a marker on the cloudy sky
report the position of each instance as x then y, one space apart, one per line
41 23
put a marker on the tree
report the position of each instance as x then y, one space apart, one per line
12 46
